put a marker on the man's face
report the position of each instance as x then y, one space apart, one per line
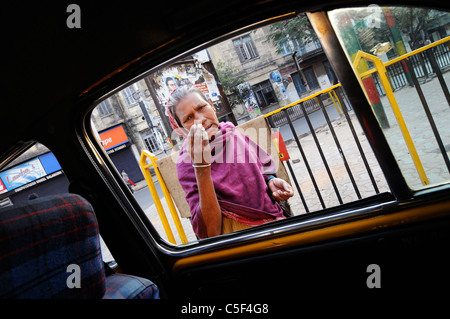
171 84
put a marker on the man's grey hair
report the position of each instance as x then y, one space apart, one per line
178 94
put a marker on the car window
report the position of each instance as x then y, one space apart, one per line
35 173
401 56
275 85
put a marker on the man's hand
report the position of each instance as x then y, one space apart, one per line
281 190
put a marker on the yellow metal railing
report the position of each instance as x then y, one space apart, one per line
407 55
380 67
312 96
336 101
145 155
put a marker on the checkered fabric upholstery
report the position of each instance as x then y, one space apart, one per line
40 238
119 286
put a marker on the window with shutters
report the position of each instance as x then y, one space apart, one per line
129 95
311 77
245 48
152 142
105 108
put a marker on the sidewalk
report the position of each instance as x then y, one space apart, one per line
141 184
420 131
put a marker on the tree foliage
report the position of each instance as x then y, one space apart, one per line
409 20
230 79
415 22
297 28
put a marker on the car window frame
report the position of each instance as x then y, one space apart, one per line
360 209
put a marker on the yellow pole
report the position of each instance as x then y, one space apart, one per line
334 102
379 65
169 200
401 122
337 99
148 178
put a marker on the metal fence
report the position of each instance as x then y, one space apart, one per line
390 76
295 112
421 63
309 104
433 58
305 107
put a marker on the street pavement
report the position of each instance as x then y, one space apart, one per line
419 130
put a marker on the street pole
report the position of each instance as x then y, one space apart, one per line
209 66
145 113
294 57
338 59
398 41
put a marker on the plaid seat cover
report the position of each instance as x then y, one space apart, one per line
120 286
39 239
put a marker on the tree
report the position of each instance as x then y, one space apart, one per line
415 22
230 79
296 28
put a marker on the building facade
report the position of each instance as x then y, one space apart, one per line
271 72
127 123
135 118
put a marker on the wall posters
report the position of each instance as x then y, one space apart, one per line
283 86
249 100
188 73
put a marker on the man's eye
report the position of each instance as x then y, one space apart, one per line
188 118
